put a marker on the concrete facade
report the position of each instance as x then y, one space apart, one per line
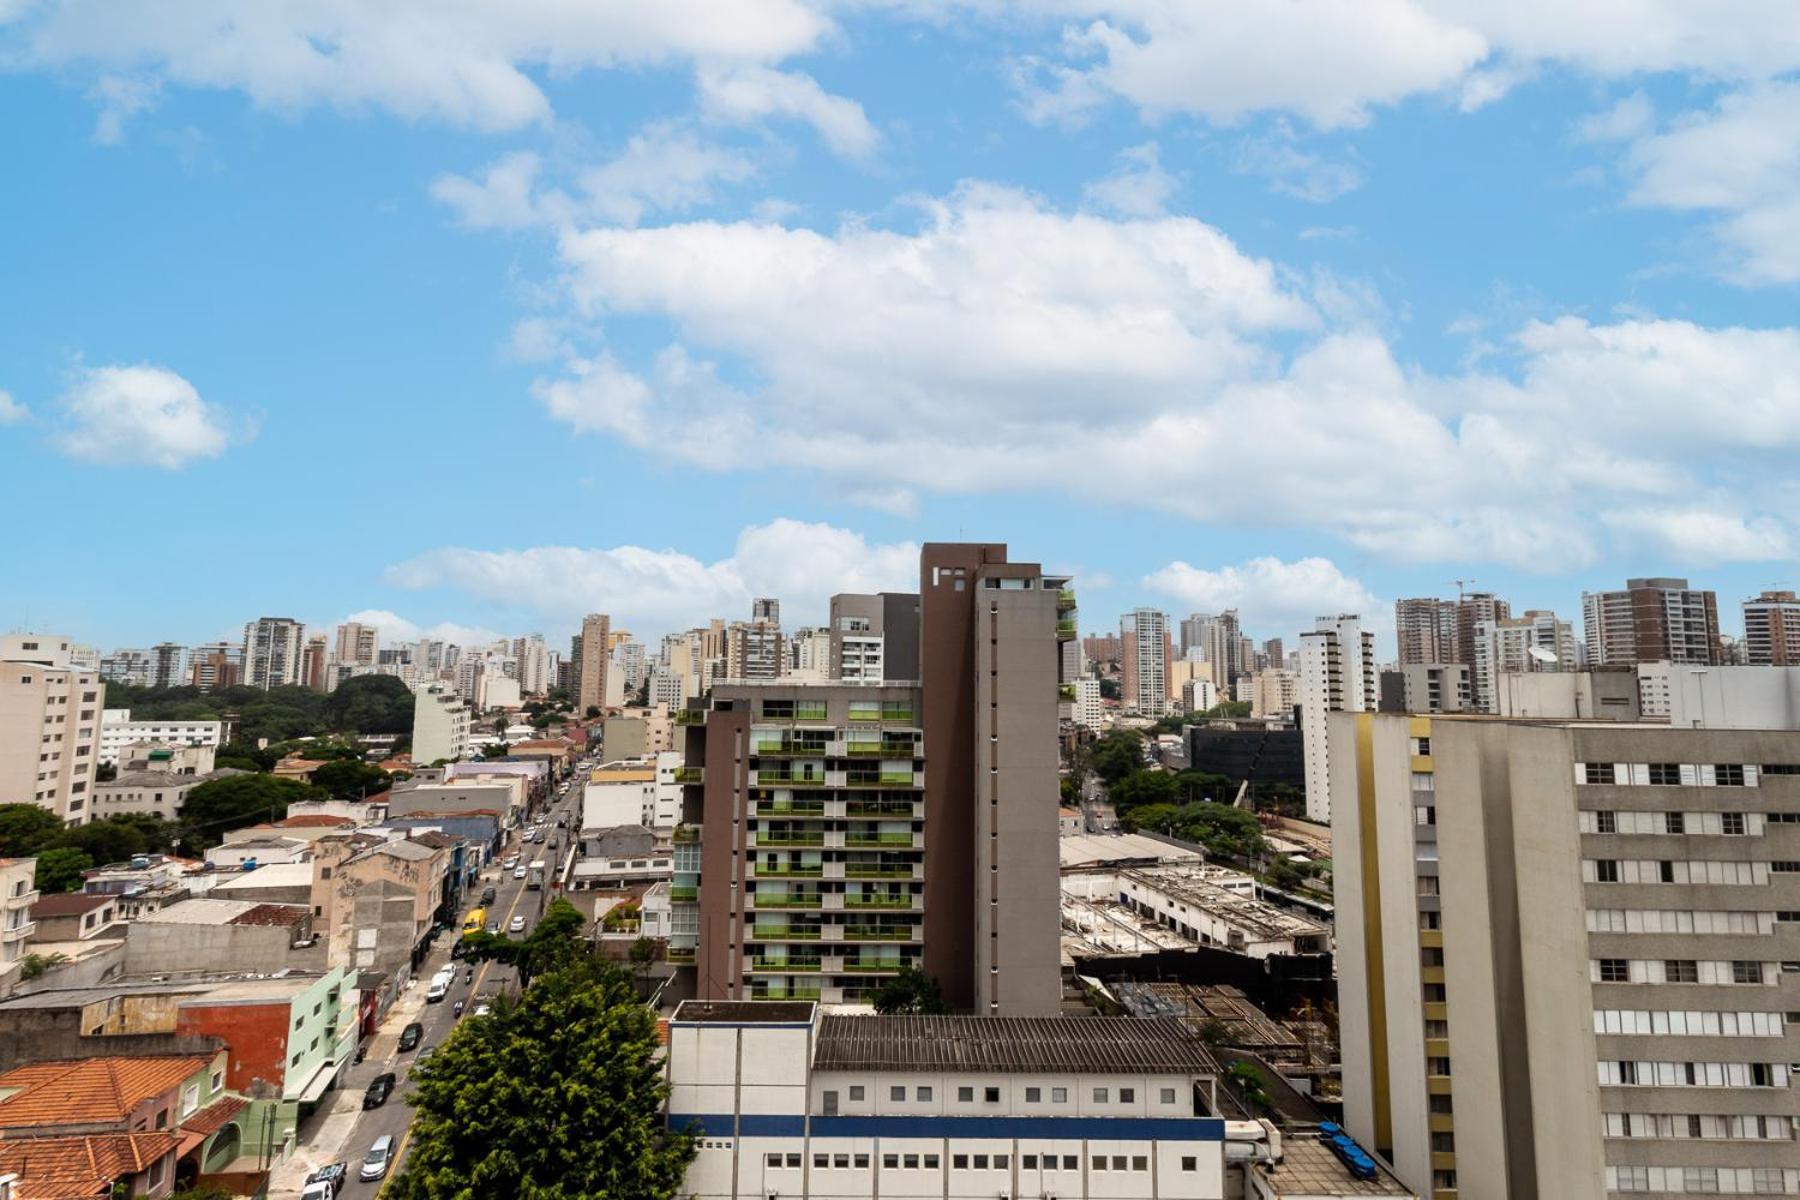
440 724
1337 674
49 726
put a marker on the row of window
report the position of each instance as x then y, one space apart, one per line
969 1162
1676 920
1668 774
1687 1023
1711 1181
1629 1073
1718 824
1681 871
1683 970
924 1094
1732 1127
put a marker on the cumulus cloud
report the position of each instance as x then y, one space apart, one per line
1702 535
393 629
1266 591
668 589
752 92
11 411
1303 174
140 415
1138 187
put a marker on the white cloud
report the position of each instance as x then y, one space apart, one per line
395 629
752 92
1629 118
660 590
1740 161
1004 346
1267 592
1703 536
141 415
1138 187
505 197
1302 174
120 97
11 411
466 62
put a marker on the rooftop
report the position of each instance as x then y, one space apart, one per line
1151 1045
274 875
738 1012
89 1089
78 1168
70 904
1309 1168
1106 849
1203 887
226 912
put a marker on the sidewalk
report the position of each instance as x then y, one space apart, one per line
324 1140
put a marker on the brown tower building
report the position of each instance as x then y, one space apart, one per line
1652 620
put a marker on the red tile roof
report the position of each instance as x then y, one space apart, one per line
215 1116
89 1090
314 820
77 1168
70 904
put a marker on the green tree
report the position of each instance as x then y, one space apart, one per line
911 993
370 704
1117 755
105 773
35 966
558 1096
245 756
554 942
349 780
220 805
105 841
1109 688
495 750
1229 708
59 869
1142 788
159 835
27 828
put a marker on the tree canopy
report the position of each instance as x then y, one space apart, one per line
1117 755
554 942
1225 831
27 828
910 993
557 1095
59 869
364 704
350 780
220 805
28 831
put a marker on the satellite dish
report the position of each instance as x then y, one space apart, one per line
1540 654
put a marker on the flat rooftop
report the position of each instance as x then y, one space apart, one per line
741 1012
1107 849
1201 887
1153 1045
1309 1169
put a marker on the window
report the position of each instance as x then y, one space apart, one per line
1606 822
1665 774
821 1161
1059 1095
1665 871
965 1095
1028 1161
1615 970
1437 1066
1033 1095
1168 1095
1189 1163
931 1162
1746 972
1785 866
1732 824
897 1092
856 1091
1127 1095
1674 822
1002 1161
959 1162
981 1162
1729 774
991 1095
1100 1095
1140 1162
1099 1162
862 1162
1606 870
924 1093
1681 970
910 1162
840 1162
890 1162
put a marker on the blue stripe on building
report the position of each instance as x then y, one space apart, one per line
1128 1129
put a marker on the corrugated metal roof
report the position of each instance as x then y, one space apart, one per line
1038 1044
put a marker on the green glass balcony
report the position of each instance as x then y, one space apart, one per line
903 778
1065 629
685 835
786 900
789 750
783 933
880 808
790 808
856 840
790 838
1066 598
870 871
784 964
690 716
785 993
880 964
785 779
690 774
806 711
1066 693
852 900
681 894
865 712
897 714
789 870
679 954
878 933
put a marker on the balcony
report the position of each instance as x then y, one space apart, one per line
789 750
875 840
1066 693
1065 598
874 871
683 893
785 993
880 933
18 933
792 837
1065 629
784 933
790 808
786 900
880 964
789 870
686 835
880 808
690 774
785 964
690 716
786 779
679 954
852 900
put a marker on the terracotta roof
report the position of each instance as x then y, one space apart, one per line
214 1116
89 1090
76 1168
70 904
271 914
314 820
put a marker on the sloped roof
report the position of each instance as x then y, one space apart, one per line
77 1168
214 1116
89 1089
70 904
1146 1045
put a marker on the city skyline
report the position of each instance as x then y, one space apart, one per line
1488 304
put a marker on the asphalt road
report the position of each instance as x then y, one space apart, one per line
512 899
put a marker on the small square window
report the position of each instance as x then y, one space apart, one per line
1099 1162
924 1093
890 1162
774 1160
931 1162
1059 1095
840 1162
1140 1162
1033 1095
992 1095
897 1092
1002 1161
794 1161
1099 1095
966 1095
1127 1095
1118 1162
862 1162
981 1161
910 1162
1168 1095
856 1091
959 1162
1189 1163
1028 1161
820 1161
1070 1163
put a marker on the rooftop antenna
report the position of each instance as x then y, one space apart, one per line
1459 587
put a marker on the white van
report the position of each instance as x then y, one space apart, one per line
376 1162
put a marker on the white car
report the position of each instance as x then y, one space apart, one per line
511 862
516 925
518 872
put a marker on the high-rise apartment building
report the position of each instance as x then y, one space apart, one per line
1535 641
838 832
1144 646
216 665
1425 630
1274 654
532 654
1566 955
357 644
753 650
1652 620
587 663
272 652
130 667
1772 630
1101 647
50 713
1273 693
874 637
1337 674
316 669
1217 640
440 724
168 665
766 608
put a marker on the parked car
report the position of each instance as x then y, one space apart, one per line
380 1157
411 1036
517 925
380 1088
493 927
325 1183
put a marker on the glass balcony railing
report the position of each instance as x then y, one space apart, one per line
809 711
690 716
878 933
685 835
858 840
784 933
880 808
790 808
784 964
1066 598
852 900
789 870
879 964
1065 629
873 871
785 993
1066 693
690 774
792 837
790 750
679 954
681 894
904 778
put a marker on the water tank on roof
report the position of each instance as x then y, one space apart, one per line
249 864
140 863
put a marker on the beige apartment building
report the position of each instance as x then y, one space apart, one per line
588 660
49 726
18 892
1569 954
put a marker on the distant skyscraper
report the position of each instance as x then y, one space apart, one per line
1772 630
1506 648
1652 620
316 670
1425 630
1144 661
1219 641
216 665
874 637
1337 674
168 665
766 609
130 667
533 658
42 689
588 659
272 652
356 644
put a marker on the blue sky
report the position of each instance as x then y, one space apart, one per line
485 321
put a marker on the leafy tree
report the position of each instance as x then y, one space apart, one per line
911 993
105 841
1142 788
201 1192
1158 818
349 780
495 750
643 953
1070 790
1117 755
106 773
27 828
159 835
554 942
34 966
59 870
245 756
558 1096
370 704
593 710
1109 688
1229 708
220 805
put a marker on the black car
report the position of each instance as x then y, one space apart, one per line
487 896
411 1035
379 1090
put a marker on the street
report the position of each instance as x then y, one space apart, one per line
512 898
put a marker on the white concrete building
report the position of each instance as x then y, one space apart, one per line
1273 693
1088 709
791 1103
1337 674
272 652
49 726
1535 641
18 892
440 724
1207 905
633 792
118 730
497 691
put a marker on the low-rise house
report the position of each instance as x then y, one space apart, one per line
277 883
307 827
145 884
626 858
260 852
168 759
376 898
211 936
154 793
73 917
